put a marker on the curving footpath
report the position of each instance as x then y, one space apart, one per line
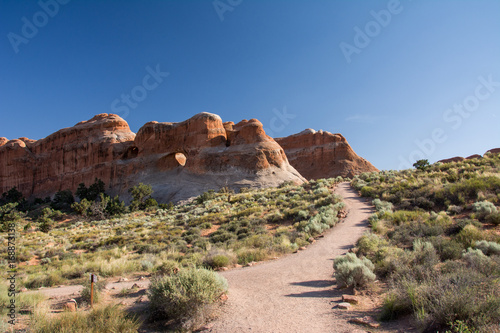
294 294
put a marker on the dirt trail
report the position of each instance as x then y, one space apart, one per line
292 294
295 293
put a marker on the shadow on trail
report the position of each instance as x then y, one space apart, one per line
318 293
314 283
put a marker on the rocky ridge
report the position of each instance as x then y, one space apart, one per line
179 160
460 158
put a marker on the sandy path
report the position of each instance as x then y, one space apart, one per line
294 294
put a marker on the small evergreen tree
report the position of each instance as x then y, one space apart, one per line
140 194
421 165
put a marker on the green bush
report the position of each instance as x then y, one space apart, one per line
44 280
218 259
493 218
109 318
488 248
351 271
382 206
168 267
484 209
469 235
46 224
186 296
443 297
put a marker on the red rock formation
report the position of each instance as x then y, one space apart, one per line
453 159
323 155
179 160
493 151
460 159
65 158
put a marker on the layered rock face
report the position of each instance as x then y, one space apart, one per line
65 158
320 154
179 160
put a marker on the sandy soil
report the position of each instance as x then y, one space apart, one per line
295 293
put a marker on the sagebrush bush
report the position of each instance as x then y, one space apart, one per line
185 296
382 206
218 258
442 298
351 271
488 248
484 207
493 218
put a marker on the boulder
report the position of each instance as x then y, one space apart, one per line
344 306
70 306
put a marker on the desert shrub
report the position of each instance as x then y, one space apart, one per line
368 191
247 255
369 244
382 206
483 209
351 271
63 200
92 192
493 218
402 216
218 258
12 196
477 260
186 296
452 209
46 224
445 297
488 248
82 207
115 207
9 213
205 196
448 249
167 267
460 224
109 318
469 235
44 280
141 193
221 236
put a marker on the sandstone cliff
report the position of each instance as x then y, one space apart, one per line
180 160
320 154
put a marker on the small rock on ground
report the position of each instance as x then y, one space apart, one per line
367 320
344 306
350 299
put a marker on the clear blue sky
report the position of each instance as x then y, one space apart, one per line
384 83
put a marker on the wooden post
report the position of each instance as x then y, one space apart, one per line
91 290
